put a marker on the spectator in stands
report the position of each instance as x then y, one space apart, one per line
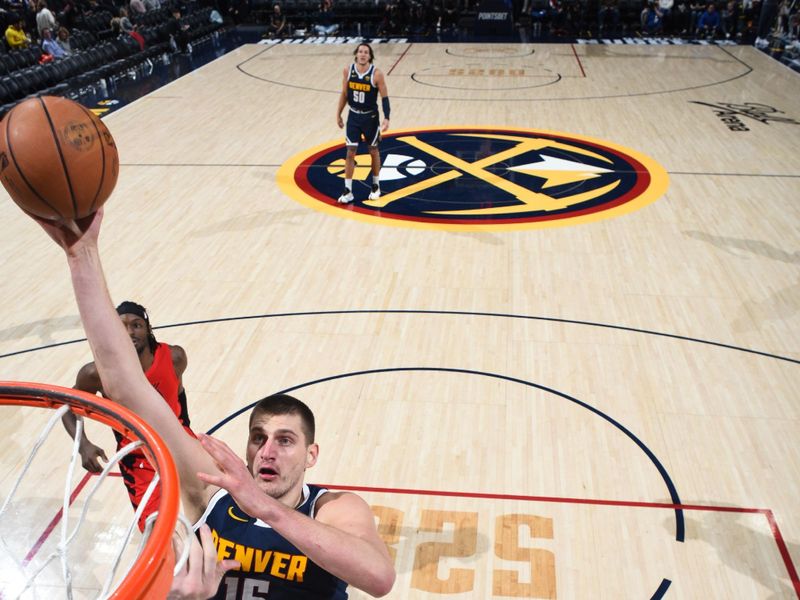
697 8
89 7
681 18
665 8
124 22
392 20
30 8
152 5
418 19
96 7
16 36
747 26
540 11
447 14
51 46
559 17
516 7
137 8
325 19
277 23
708 25
139 39
119 30
766 19
179 32
63 39
608 13
583 17
524 10
66 15
651 19
238 10
44 19
730 19
784 10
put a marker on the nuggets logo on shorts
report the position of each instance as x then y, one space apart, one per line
480 178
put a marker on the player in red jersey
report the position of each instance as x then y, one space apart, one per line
163 365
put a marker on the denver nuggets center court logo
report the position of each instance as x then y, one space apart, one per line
480 178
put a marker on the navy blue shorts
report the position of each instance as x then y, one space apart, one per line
362 127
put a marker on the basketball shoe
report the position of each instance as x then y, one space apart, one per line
346 197
375 193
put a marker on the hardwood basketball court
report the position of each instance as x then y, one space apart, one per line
598 408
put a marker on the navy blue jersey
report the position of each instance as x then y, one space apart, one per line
362 91
272 567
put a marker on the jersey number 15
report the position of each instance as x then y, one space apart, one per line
245 588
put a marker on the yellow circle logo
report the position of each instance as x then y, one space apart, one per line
478 178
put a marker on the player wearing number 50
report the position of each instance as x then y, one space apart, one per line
360 88
291 540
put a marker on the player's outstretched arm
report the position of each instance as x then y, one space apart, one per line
91 455
115 356
342 539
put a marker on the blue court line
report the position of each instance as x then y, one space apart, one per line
673 492
439 312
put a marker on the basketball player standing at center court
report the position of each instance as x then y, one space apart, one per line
163 365
360 88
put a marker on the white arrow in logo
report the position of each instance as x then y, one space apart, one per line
558 171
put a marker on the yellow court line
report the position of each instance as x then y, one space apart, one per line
532 200
411 189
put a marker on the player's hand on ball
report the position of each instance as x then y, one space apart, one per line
60 160
71 234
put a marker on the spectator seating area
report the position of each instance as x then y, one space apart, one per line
356 17
542 18
98 53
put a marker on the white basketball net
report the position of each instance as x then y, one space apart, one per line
66 536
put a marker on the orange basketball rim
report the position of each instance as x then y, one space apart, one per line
151 574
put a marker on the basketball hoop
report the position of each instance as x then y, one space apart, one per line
150 576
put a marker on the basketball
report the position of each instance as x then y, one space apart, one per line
57 159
